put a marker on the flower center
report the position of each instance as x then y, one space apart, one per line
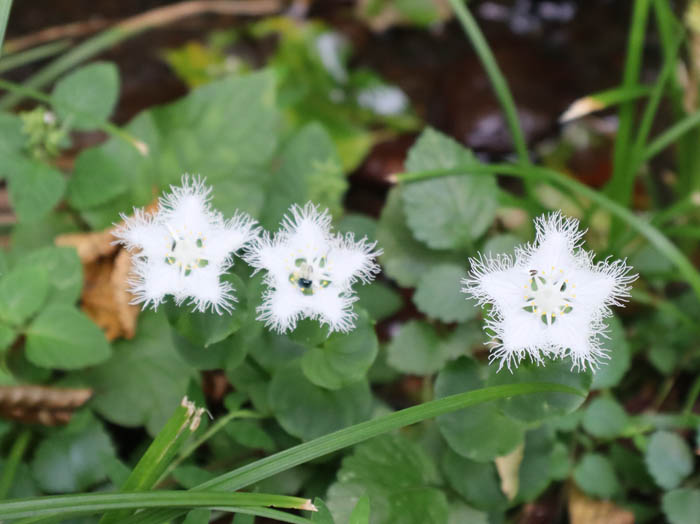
309 276
549 295
186 251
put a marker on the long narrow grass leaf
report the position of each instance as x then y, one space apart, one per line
498 81
603 100
308 451
91 503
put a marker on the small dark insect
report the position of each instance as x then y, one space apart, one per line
305 283
533 272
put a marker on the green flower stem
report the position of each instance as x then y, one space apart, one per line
32 55
210 432
308 451
131 27
498 81
652 106
621 183
107 127
669 136
651 233
19 446
5 6
693 394
85 504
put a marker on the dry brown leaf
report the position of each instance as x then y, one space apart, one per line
90 246
389 15
106 299
40 404
585 510
127 313
508 467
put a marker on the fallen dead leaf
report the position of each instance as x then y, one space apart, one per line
41 404
585 510
508 467
90 246
105 299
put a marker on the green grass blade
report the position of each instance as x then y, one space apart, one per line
620 185
19 446
5 6
32 55
655 237
498 81
268 513
669 136
91 503
181 425
289 458
602 100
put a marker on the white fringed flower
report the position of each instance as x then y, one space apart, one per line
310 271
183 249
550 299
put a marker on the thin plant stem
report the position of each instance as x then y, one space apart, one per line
651 233
5 6
9 470
107 127
15 60
210 432
672 134
498 81
620 185
131 27
693 394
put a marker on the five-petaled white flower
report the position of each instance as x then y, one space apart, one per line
550 299
310 271
183 249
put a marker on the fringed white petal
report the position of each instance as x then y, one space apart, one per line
183 249
310 271
550 299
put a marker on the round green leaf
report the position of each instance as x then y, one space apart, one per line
34 189
480 432
539 406
416 349
681 506
404 258
308 411
439 294
595 476
144 380
61 337
96 179
343 358
7 336
87 95
668 459
476 482
205 329
397 475
447 212
534 473
22 292
610 373
65 271
379 300
73 458
604 418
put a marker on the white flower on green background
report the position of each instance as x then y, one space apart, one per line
310 271
550 299
184 248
